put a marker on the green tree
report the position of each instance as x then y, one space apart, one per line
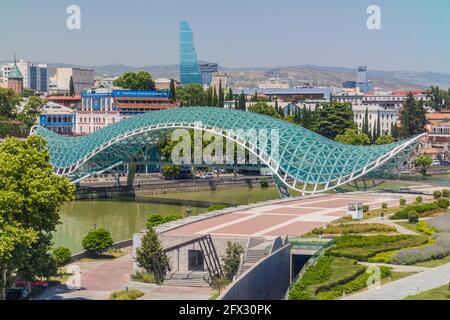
30 199
61 256
438 99
8 103
71 87
31 110
424 161
242 102
141 80
333 118
192 95
230 95
221 99
365 124
26 93
412 117
232 259
97 241
264 108
351 136
151 257
384 139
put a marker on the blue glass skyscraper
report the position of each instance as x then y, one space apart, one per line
189 68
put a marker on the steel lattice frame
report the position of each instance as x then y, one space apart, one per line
305 159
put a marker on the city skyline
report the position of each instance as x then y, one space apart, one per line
148 34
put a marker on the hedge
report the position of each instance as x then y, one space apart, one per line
356 284
423 209
355 228
367 248
441 224
440 249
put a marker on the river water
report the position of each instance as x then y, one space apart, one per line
123 218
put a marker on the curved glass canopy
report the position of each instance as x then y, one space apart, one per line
305 161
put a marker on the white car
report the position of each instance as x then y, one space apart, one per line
436 163
207 176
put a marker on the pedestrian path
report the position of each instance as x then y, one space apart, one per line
412 285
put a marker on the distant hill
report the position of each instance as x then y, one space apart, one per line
317 75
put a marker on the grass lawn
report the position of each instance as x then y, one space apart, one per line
441 293
126 295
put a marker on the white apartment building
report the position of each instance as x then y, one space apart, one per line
59 79
388 116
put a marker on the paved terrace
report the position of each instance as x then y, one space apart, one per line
292 217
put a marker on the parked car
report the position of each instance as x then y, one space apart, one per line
445 163
16 294
436 163
207 176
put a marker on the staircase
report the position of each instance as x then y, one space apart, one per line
187 279
254 254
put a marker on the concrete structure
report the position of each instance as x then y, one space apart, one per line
57 118
207 71
189 68
269 279
219 79
59 78
162 84
104 82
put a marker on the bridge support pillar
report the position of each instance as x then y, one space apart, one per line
131 174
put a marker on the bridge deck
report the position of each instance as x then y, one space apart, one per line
293 218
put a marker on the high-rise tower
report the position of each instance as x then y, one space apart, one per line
189 68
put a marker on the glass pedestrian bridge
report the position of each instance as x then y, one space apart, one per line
305 161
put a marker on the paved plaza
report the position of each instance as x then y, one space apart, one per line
292 218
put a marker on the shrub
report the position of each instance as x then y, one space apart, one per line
216 207
437 194
232 259
362 249
419 199
61 256
126 295
413 217
156 219
264 183
350 228
383 257
97 241
423 209
402 202
142 276
384 205
366 208
446 193
443 203
218 283
356 284
440 249
441 224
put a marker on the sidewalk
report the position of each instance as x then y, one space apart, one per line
412 285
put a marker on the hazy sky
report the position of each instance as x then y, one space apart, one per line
234 33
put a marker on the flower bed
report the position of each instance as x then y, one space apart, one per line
354 228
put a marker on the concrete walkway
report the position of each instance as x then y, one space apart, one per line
412 285
98 280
